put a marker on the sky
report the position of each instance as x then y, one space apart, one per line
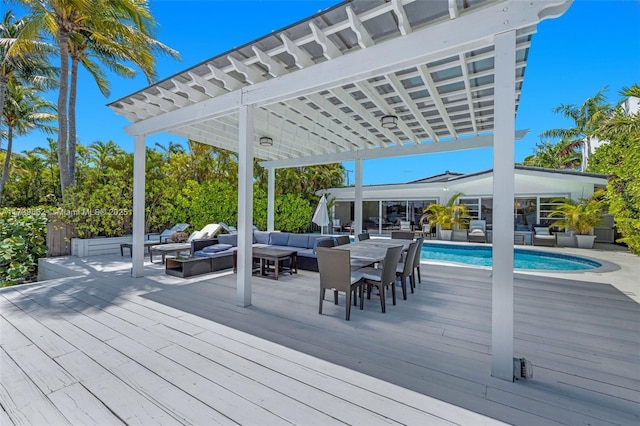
595 44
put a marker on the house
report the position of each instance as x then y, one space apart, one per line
535 191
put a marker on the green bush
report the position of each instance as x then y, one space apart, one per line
101 210
292 213
22 241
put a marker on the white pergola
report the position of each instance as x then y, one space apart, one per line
451 71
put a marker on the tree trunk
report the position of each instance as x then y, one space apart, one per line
73 88
3 91
7 159
63 163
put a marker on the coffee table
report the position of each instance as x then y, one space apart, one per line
188 266
272 261
147 245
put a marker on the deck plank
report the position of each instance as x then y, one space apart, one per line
21 399
146 338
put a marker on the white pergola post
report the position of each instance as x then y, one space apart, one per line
271 194
137 251
503 195
357 208
246 136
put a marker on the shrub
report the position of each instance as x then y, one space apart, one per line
22 242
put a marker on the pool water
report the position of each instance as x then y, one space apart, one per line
523 259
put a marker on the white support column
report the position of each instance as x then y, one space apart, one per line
503 198
246 136
357 208
137 251
271 194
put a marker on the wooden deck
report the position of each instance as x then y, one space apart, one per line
107 349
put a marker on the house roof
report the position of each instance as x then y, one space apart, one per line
455 177
321 85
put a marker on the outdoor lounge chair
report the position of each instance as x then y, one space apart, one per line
542 237
206 233
477 232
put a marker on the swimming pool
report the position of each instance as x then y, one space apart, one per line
523 259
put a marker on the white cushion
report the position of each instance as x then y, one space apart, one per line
541 230
197 235
476 231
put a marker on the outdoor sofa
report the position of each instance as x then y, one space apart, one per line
221 250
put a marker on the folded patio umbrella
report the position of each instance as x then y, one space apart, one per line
321 215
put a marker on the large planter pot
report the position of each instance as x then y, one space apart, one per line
585 241
446 234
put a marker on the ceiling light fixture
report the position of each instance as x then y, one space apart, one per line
266 141
389 121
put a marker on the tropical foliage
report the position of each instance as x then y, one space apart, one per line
554 156
618 154
114 33
579 216
448 215
620 160
22 242
586 118
23 59
25 110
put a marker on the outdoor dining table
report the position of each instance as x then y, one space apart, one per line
372 250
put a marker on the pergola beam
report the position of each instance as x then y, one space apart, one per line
403 151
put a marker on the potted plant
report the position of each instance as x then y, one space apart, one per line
446 216
579 216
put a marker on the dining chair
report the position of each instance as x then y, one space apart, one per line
325 242
402 235
404 269
342 240
416 261
363 236
381 278
336 275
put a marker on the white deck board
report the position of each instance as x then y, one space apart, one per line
163 350
21 399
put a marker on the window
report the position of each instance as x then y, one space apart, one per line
370 216
392 213
472 206
525 213
547 205
416 209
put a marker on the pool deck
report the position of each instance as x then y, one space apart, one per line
98 347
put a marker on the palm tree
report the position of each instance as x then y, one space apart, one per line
446 215
554 156
25 110
171 148
104 156
586 119
49 157
112 32
22 58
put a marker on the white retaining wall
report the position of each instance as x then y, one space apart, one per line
97 246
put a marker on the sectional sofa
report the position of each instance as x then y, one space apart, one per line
220 251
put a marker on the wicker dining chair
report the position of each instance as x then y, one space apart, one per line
336 275
382 278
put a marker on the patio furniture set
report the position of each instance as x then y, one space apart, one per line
273 253
367 264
